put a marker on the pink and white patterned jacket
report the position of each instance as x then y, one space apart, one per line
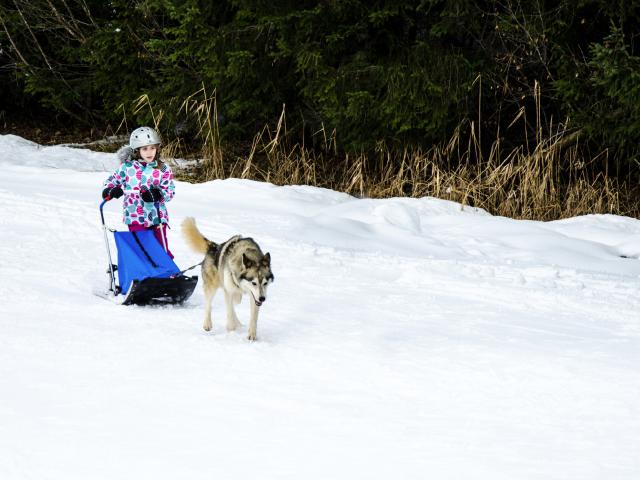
133 176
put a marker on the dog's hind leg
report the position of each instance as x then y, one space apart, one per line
209 293
253 322
232 318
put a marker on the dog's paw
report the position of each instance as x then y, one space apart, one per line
207 326
252 334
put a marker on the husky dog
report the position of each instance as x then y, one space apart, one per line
238 266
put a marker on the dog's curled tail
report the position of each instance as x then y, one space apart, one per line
194 238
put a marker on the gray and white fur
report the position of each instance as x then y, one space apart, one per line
238 266
125 154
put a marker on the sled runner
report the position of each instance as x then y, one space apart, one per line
146 273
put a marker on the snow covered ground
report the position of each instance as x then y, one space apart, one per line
402 339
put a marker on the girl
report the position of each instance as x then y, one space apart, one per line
146 183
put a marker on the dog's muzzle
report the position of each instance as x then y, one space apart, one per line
259 301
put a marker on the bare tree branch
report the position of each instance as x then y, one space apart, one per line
35 40
75 23
15 47
87 12
74 32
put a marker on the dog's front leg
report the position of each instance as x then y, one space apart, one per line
253 321
232 318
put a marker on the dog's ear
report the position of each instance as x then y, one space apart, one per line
266 260
246 261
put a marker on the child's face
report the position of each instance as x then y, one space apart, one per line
148 153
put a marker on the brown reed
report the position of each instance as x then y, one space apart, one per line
545 182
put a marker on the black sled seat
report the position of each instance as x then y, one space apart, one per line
147 274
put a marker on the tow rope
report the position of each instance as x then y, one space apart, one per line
192 267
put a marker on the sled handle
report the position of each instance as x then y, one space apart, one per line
101 207
106 242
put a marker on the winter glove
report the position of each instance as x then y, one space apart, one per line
156 193
109 193
151 195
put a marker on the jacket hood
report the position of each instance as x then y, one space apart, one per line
125 154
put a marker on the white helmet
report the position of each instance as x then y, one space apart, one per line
143 136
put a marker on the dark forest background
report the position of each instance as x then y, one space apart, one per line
394 74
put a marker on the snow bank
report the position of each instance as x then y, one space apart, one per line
18 151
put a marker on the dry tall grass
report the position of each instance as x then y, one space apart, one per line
549 182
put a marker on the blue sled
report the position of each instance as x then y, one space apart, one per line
147 275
